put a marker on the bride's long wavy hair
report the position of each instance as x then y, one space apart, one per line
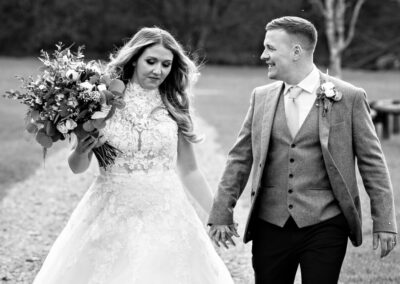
177 85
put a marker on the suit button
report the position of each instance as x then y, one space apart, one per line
290 175
253 193
290 206
293 145
259 165
290 190
291 160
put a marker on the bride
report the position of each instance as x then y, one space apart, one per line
135 223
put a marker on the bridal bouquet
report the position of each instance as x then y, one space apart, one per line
70 96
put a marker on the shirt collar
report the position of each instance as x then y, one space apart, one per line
287 87
309 84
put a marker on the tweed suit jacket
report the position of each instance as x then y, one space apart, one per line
346 134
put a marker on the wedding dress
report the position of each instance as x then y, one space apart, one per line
135 224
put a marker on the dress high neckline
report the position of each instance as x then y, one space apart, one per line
136 89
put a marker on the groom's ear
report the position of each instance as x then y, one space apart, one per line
297 51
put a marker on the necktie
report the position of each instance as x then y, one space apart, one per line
292 110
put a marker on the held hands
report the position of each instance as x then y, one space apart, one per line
222 234
387 240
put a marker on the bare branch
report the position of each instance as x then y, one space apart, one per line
353 22
340 13
330 28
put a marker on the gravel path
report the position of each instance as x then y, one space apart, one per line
35 211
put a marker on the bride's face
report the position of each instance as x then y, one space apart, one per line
153 66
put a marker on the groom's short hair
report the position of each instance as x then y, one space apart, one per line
297 26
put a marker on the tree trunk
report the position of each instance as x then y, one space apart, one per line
334 12
335 62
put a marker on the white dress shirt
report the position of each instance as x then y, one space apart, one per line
308 95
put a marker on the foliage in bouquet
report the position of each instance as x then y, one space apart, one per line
70 96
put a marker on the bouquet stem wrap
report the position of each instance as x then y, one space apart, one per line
106 154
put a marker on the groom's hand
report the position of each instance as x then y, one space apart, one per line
222 234
387 241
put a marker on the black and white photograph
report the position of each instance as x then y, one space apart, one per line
199 142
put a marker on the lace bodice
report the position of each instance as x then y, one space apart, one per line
144 132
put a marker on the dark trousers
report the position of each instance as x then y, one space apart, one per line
318 249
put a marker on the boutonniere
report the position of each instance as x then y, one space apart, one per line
326 95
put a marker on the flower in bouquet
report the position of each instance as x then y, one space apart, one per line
70 96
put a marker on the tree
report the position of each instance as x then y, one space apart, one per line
336 24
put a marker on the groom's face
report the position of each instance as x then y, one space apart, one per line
278 54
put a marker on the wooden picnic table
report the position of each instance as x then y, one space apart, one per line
388 114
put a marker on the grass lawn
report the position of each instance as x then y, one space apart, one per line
222 97
20 154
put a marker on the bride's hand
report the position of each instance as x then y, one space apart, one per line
86 144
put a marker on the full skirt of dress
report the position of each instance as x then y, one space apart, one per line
136 228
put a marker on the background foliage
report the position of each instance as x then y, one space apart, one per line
221 31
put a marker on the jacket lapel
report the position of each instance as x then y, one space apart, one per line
340 188
270 105
324 120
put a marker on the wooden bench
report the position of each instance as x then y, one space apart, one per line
387 113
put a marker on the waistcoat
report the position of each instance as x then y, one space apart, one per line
295 182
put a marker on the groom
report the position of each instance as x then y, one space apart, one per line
301 137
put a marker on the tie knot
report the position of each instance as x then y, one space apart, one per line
294 92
